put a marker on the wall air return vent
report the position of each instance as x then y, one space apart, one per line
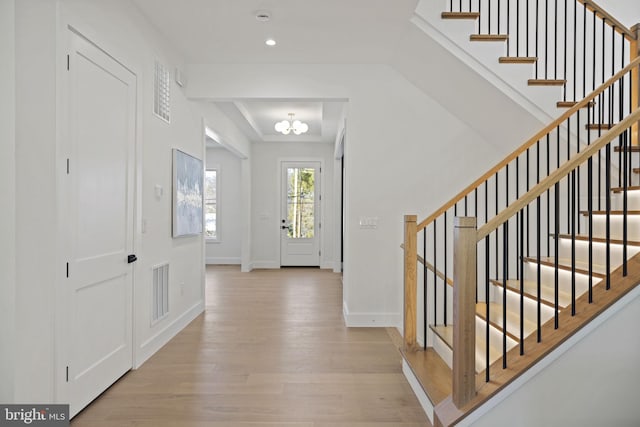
160 294
161 92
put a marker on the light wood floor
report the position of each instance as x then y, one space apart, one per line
271 349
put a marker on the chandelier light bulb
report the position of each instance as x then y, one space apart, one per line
287 126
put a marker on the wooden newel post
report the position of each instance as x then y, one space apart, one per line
464 310
410 279
635 84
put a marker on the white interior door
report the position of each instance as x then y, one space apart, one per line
300 217
102 100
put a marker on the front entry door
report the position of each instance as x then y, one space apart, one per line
99 189
300 220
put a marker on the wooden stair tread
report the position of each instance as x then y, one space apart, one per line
489 37
460 15
569 104
632 149
445 333
530 288
546 82
517 60
432 372
584 238
599 126
629 188
550 262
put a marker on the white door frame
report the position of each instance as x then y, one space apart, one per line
281 199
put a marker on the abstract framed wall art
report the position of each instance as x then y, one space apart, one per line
188 179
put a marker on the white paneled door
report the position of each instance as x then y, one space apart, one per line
99 194
300 214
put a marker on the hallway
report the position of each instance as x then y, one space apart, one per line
271 349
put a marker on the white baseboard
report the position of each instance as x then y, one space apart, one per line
222 260
372 320
246 268
265 264
156 342
424 400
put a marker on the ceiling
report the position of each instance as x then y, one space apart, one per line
306 31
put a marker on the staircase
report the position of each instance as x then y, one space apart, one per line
545 241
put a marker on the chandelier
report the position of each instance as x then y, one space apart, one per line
287 126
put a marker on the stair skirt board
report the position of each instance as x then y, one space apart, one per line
423 398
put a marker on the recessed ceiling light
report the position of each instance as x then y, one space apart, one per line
270 42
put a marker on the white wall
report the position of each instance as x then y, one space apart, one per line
118 28
405 154
7 195
266 199
625 11
36 203
595 383
227 249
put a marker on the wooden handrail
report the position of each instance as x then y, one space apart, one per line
557 175
461 195
433 269
620 27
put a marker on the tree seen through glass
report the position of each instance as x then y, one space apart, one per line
300 202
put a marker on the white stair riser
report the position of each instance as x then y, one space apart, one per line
633 200
600 231
599 253
495 342
513 306
547 276
495 337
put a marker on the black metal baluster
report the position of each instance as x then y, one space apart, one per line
424 289
435 274
590 223
527 28
537 26
508 27
608 208
577 212
548 201
479 16
573 243
564 76
568 157
625 206
575 49
521 263
539 268
444 282
498 19
475 213
584 53
555 40
505 274
556 282
486 298
489 18
518 219
546 39
497 254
